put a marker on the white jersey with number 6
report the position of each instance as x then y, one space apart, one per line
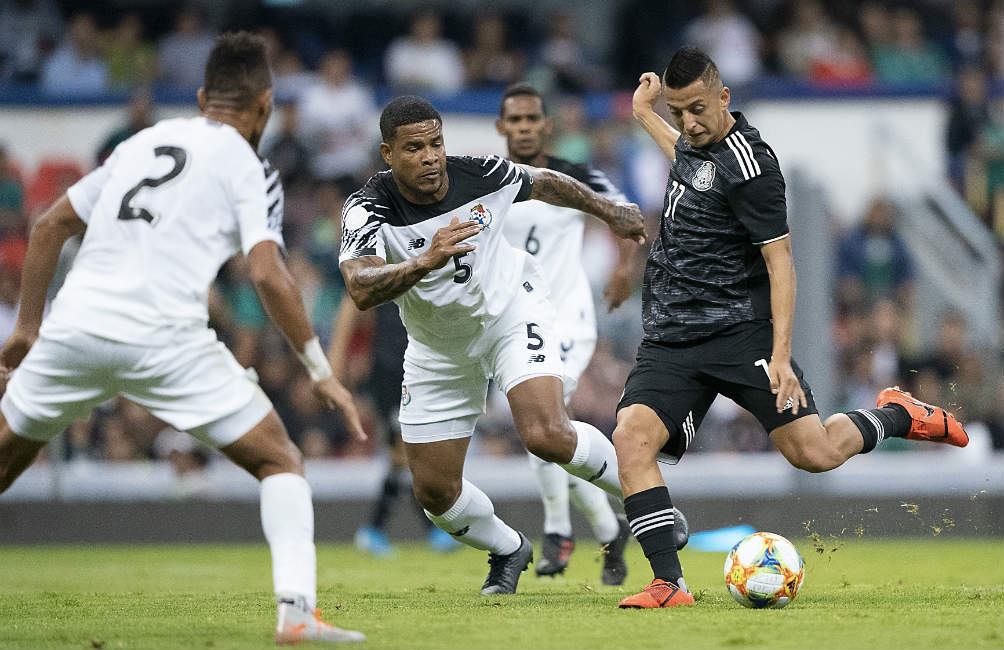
163 214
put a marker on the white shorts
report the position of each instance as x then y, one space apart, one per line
443 394
576 328
194 385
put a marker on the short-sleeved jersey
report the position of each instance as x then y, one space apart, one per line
705 271
449 307
165 211
552 234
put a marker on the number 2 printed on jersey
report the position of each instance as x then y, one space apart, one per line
127 211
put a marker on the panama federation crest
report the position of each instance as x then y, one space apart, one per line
482 215
405 396
704 177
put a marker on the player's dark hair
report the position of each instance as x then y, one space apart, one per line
237 70
687 66
521 89
404 110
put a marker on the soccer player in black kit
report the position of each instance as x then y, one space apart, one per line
717 306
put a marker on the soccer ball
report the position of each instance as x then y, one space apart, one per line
764 570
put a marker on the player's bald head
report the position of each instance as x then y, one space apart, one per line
404 110
237 71
690 64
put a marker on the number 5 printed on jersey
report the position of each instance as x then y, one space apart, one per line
128 211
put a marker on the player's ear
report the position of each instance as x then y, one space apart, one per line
498 127
201 96
265 103
725 96
385 153
548 125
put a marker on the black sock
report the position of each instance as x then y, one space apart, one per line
650 514
875 425
391 486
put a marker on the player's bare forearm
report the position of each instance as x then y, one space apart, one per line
781 272
371 281
346 321
279 294
618 287
643 107
624 219
50 232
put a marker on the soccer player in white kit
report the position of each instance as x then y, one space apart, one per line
160 216
428 234
553 235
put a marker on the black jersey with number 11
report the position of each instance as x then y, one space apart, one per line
705 271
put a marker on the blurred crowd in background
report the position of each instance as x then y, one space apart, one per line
331 75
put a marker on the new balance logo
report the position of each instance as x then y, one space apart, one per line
536 358
415 244
528 287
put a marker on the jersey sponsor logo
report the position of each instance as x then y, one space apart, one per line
405 396
704 177
482 215
416 243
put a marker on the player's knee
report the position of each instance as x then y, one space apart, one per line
437 496
633 447
553 442
811 460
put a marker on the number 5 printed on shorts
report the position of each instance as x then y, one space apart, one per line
534 342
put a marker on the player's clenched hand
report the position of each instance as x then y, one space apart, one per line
336 397
785 385
627 222
618 290
447 242
647 93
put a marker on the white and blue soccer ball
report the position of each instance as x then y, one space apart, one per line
764 570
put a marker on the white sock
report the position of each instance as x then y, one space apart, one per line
287 517
594 504
594 459
473 515
553 483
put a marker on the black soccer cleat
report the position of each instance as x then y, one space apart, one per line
554 554
614 567
681 529
504 570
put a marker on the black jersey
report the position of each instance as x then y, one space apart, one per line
705 271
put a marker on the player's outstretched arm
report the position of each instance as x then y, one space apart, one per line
347 321
781 271
281 300
643 107
618 287
371 281
549 186
50 232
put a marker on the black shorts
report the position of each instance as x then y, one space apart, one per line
680 380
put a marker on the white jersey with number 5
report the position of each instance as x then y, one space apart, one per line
163 214
450 307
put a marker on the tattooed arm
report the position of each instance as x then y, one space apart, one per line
549 186
371 281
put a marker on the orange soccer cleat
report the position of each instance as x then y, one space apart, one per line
297 624
931 423
658 593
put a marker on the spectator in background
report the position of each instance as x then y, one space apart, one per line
873 261
967 44
967 117
488 62
11 196
29 30
571 138
985 171
182 54
286 150
76 67
563 65
130 59
847 64
811 37
876 26
337 115
424 60
10 284
730 39
909 58
139 115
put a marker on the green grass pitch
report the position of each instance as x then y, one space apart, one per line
858 593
